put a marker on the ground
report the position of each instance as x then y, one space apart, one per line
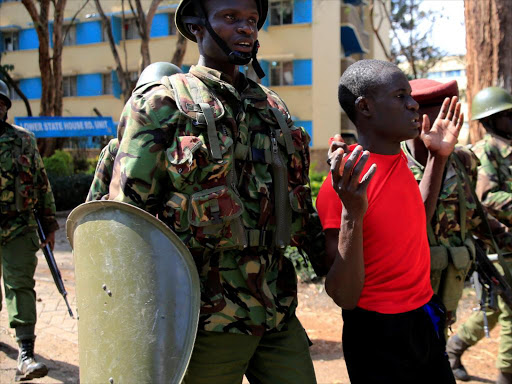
57 341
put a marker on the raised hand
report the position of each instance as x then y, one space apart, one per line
440 139
351 191
337 142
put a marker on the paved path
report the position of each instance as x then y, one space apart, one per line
57 338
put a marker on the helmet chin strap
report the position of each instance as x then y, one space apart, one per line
234 57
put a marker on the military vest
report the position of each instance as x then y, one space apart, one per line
18 176
238 178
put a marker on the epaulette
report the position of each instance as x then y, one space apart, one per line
190 93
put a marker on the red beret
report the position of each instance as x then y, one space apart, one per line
428 92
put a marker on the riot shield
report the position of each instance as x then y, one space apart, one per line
137 291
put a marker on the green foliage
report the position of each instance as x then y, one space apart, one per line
316 179
59 164
412 29
70 191
302 266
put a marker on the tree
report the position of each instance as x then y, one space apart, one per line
489 53
179 52
4 75
50 62
143 20
411 28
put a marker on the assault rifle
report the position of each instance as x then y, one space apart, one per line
50 259
489 283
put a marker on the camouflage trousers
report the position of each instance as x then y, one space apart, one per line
18 265
277 357
473 330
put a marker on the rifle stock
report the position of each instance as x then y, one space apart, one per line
52 264
491 278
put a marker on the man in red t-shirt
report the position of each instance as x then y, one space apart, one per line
375 216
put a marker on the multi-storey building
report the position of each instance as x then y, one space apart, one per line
305 46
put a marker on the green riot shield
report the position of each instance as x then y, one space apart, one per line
137 291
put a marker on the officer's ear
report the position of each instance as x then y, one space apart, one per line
363 106
196 30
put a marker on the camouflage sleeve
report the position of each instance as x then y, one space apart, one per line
45 202
103 173
499 230
139 175
494 196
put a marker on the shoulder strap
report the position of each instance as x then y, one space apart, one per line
481 212
186 88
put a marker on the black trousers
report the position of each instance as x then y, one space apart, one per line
402 348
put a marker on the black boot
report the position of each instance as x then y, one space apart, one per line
28 368
455 347
504 378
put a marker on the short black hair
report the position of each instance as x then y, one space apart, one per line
360 79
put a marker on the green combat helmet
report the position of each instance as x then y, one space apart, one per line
156 71
490 101
193 12
4 94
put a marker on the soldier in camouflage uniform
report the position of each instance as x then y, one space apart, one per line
103 173
493 107
216 156
456 219
24 187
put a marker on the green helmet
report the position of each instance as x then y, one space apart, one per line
489 101
186 9
156 71
193 12
4 94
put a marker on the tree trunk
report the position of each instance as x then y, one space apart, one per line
9 80
144 25
122 74
489 50
58 41
179 52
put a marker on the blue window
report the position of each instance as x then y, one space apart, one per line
32 87
89 84
302 11
28 39
302 72
89 32
116 28
163 25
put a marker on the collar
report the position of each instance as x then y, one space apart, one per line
251 94
501 143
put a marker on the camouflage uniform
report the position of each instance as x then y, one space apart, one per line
494 185
447 231
494 188
224 209
23 187
103 173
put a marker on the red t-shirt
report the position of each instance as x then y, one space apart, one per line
395 245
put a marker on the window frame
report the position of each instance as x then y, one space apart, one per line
15 36
70 37
281 82
132 28
107 85
69 86
278 5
